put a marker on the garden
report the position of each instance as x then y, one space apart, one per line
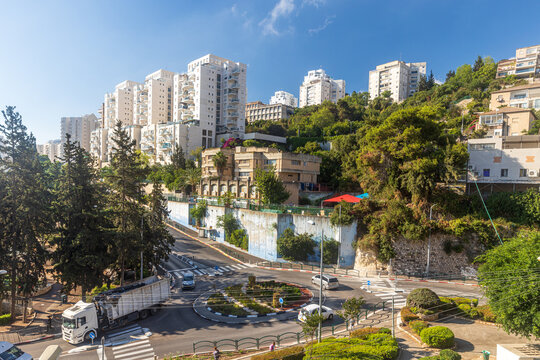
257 298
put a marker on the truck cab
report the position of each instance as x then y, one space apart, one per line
78 321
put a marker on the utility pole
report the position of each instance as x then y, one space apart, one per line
429 239
321 284
142 243
102 347
393 321
339 244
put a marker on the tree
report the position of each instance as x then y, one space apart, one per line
270 187
431 81
220 162
450 74
199 212
509 277
343 214
126 198
81 247
422 83
330 251
295 247
478 64
197 155
192 177
228 223
310 325
178 161
351 309
24 206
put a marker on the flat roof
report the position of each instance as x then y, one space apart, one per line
519 87
506 110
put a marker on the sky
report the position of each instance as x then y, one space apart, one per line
58 58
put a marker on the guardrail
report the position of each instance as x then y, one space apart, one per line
298 337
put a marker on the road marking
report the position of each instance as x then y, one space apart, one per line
236 266
198 272
142 342
132 328
137 350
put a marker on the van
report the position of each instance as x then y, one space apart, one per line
8 351
188 281
328 281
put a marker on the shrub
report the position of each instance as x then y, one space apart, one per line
438 336
464 300
291 353
407 315
418 325
5 319
364 332
423 298
378 346
252 281
484 311
465 308
448 354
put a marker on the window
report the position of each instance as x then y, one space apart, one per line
12 353
243 174
269 162
504 172
523 172
81 321
486 173
295 162
482 146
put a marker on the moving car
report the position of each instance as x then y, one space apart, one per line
8 351
327 313
328 281
188 281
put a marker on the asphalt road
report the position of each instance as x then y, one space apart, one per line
177 326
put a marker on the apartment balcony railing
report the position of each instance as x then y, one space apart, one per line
232 114
231 107
234 100
233 78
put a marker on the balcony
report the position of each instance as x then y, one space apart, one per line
233 78
234 101
233 114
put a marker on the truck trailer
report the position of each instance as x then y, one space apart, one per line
114 308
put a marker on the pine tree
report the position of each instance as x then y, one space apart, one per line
478 63
178 161
431 81
126 198
25 206
422 83
450 74
81 248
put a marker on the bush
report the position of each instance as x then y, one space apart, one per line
465 308
485 313
291 353
448 354
407 315
418 325
364 332
464 300
438 336
239 239
379 346
5 319
423 298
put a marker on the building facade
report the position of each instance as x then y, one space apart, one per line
257 110
507 163
53 149
526 63
398 77
80 129
297 171
524 97
318 87
506 121
285 98
199 108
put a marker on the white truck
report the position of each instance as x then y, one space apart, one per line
114 308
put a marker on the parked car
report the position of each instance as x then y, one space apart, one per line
188 281
327 313
328 281
8 351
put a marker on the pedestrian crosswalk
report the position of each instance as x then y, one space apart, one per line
400 299
215 271
137 350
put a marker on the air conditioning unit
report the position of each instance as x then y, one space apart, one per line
533 173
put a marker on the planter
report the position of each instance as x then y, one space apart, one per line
431 317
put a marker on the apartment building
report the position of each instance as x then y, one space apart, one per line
200 107
318 87
507 163
80 129
526 63
285 98
297 171
524 97
506 121
257 110
53 149
398 77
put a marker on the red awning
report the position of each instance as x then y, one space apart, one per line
347 198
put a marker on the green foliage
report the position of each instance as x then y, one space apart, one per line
330 251
486 314
199 212
218 304
363 333
220 161
229 224
270 187
513 298
423 298
295 247
407 315
438 336
239 238
447 354
5 319
290 353
418 326
374 346
347 216
352 308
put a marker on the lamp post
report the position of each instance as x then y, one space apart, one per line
429 238
311 222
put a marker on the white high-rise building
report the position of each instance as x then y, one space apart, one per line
318 87
284 98
53 149
79 128
199 107
400 78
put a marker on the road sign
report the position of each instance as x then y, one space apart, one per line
281 301
369 282
92 335
216 268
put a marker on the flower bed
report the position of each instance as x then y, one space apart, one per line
219 304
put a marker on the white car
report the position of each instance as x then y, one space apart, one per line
11 352
327 313
328 281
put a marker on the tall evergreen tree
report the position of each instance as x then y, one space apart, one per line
25 206
126 198
422 83
450 74
478 63
82 245
178 160
431 81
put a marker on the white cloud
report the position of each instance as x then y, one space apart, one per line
282 9
327 22
315 3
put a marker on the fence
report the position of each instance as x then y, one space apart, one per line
291 337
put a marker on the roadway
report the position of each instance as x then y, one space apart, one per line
177 326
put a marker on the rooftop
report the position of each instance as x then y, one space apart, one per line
506 110
519 87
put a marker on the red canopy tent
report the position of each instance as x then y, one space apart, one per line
347 198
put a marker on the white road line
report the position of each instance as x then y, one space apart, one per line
229 268
131 344
198 272
133 355
124 331
133 348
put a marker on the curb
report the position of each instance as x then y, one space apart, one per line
53 336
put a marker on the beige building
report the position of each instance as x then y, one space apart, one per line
297 171
526 63
506 121
524 96
258 110
319 87
53 149
398 77
507 163
80 129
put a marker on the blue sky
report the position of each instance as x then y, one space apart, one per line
58 58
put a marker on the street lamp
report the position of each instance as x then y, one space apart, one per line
429 239
311 222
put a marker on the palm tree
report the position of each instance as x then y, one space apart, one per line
192 176
220 161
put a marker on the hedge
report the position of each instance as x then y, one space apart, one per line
364 332
418 325
486 314
438 336
445 354
291 353
423 298
380 346
407 315
5 319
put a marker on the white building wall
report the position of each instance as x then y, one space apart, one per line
318 87
283 97
400 78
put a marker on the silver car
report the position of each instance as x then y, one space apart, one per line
328 281
11 352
